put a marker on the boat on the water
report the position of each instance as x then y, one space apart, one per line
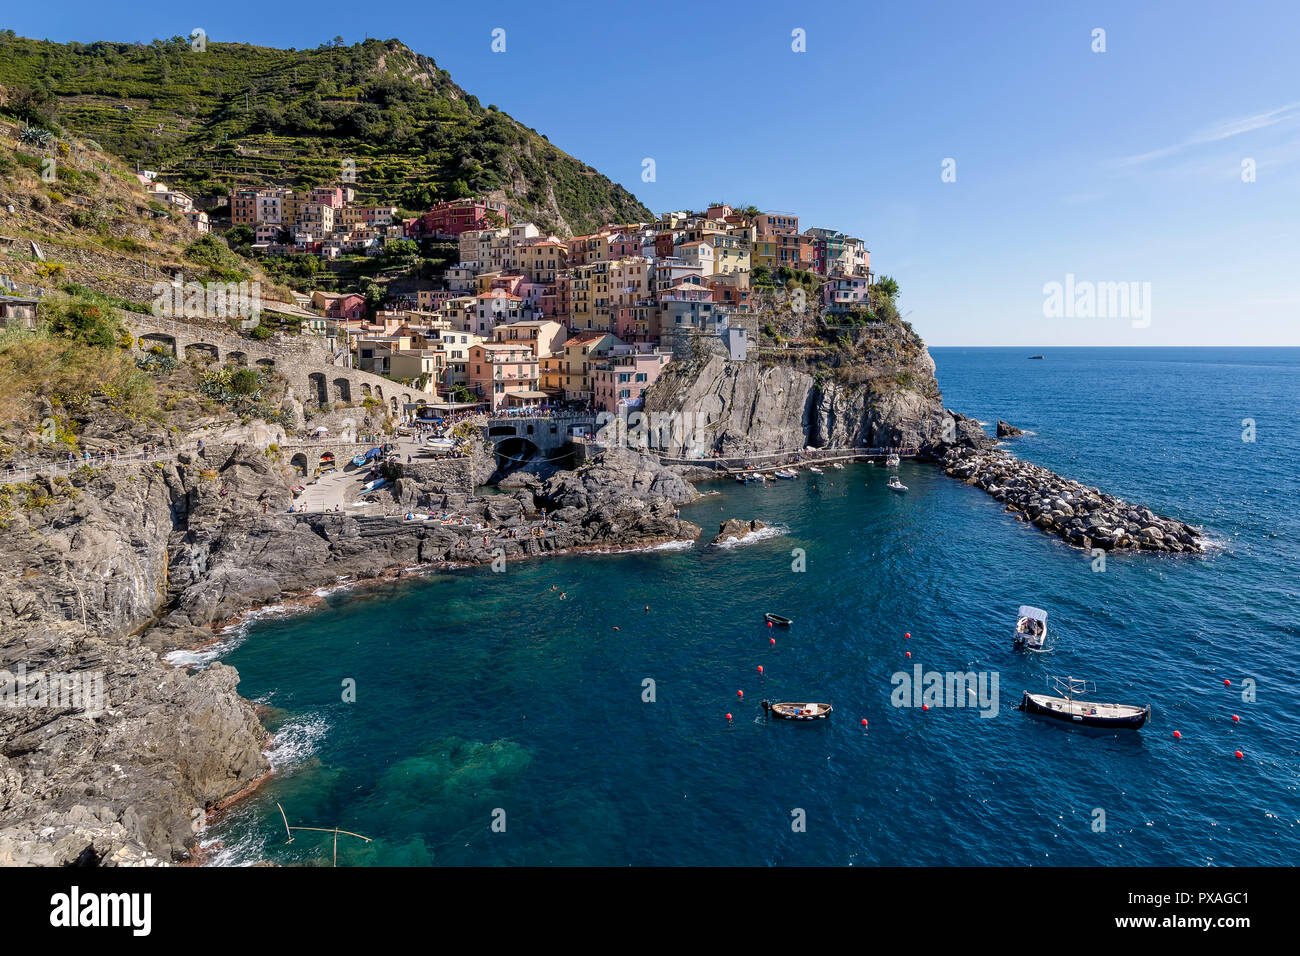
892 461
1035 356
838 466
808 711
1031 628
893 484
1087 713
786 474
778 619
815 470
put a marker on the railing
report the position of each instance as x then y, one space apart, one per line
26 472
773 459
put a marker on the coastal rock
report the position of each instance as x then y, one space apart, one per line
752 408
1006 430
734 528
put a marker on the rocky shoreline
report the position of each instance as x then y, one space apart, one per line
1081 515
124 568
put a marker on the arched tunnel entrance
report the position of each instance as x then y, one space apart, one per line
515 453
520 452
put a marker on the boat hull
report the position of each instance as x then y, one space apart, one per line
799 711
778 620
1085 714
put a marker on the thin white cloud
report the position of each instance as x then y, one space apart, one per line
1216 133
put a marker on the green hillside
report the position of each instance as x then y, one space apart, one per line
235 114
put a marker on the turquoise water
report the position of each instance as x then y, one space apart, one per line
478 692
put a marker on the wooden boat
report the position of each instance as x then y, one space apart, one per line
1086 713
777 619
807 711
1031 628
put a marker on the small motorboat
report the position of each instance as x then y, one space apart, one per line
892 461
893 484
838 466
778 620
786 474
1035 356
1070 709
815 470
1031 628
798 711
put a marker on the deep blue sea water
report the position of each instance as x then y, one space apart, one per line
477 691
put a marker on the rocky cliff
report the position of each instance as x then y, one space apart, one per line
775 403
113 569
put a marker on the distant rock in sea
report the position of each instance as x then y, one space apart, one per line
1006 430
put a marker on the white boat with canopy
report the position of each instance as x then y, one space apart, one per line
1031 628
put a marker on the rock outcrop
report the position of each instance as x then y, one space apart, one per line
752 408
120 567
1007 430
1084 516
735 529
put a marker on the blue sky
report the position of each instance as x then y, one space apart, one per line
1115 166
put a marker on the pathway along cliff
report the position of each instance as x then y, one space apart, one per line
107 571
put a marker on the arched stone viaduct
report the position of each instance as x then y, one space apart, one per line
306 364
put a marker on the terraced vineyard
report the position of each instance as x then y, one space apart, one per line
234 114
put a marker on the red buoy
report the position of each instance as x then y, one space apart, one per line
1178 735
771 640
1236 719
760 668
925 706
616 627
1240 755
740 693
908 635
864 721
1227 683
769 623
909 653
728 716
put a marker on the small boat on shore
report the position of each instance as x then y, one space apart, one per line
786 475
893 484
1031 628
778 620
1070 709
807 711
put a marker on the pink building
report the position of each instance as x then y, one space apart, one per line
505 373
622 379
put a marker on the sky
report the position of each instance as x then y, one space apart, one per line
984 151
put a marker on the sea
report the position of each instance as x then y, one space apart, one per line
606 709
